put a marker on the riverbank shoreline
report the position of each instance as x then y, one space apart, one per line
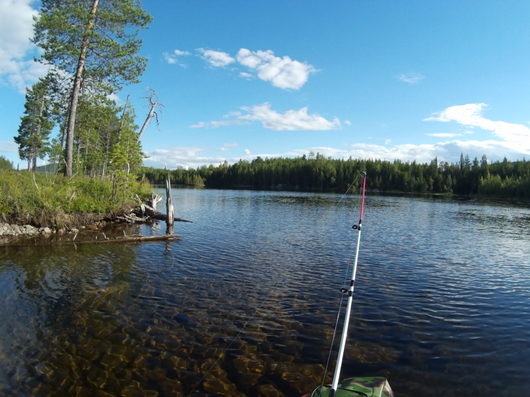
13 234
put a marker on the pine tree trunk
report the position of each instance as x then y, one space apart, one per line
39 128
76 90
106 158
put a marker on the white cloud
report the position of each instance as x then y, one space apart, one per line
291 120
16 31
114 98
516 137
324 150
8 147
283 72
173 57
411 78
179 156
513 139
169 58
16 28
216 58
228 146
181 52
443 135
246 75
423 153
190 157
218 124
405 152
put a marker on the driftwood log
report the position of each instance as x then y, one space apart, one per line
132 239
146 212
169 206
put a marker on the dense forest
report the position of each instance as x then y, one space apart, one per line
319 173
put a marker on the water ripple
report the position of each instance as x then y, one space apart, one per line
245 303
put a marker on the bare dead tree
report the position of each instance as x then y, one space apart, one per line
153 104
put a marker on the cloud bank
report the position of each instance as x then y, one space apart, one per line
513 140
514 137
181 157
16 31
291 120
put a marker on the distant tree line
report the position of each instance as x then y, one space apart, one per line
320 173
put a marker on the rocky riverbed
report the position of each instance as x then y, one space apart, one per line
22 234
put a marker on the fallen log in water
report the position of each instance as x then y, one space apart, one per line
161 217
132 239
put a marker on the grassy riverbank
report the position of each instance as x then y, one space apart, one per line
55 201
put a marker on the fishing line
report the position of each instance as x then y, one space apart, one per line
344 281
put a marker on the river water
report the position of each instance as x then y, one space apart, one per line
245 303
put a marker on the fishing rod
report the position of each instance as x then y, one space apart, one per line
349 292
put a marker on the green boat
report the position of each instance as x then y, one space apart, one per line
363 387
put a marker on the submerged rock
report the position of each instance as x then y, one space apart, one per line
268 390
10 230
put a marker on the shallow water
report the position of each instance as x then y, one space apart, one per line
245 303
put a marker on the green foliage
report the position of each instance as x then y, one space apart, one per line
318 173
106 142
126 156
5 164
96 42
37 123
97 132
178 177
113 43
43 199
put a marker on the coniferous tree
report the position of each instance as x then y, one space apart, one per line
90 40
36 124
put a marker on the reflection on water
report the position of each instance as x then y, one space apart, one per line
245 303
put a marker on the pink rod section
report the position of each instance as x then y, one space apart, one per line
362 199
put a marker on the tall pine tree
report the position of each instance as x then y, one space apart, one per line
36 124
93 41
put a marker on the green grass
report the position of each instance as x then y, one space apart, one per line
52 200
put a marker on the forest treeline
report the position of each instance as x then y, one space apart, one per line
319 173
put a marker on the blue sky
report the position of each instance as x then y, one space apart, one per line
374 79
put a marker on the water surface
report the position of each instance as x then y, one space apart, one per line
245 303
